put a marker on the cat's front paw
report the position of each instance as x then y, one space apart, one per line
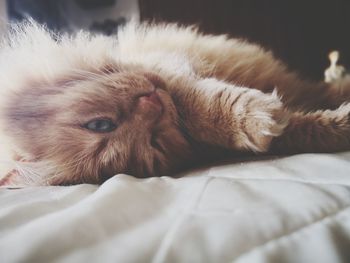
263 117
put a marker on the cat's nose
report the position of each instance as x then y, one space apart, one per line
149 105
151 97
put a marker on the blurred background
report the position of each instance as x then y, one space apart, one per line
300 32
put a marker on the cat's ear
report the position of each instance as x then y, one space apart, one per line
18 174
12 179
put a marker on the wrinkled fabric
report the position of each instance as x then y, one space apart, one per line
291 209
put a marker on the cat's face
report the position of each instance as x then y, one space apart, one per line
95 124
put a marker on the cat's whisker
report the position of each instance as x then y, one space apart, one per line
101 75
29 175
89 74
85 75
39 172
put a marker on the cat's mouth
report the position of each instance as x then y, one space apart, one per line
156 144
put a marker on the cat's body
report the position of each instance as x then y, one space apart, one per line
152 100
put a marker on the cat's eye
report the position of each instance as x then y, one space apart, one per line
100 125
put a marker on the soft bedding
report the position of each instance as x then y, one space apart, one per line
291 209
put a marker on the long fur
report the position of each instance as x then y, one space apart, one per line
216 93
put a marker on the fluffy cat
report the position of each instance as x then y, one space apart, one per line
151 101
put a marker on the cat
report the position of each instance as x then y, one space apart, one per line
151 101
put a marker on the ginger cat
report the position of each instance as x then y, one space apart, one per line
151 101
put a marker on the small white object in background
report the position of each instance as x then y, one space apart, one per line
334 72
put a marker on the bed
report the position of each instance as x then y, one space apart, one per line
290 209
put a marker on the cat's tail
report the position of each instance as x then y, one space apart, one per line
319 131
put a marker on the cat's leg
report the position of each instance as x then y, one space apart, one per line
320 131
220 114
295 92
309 96
250 65
242 63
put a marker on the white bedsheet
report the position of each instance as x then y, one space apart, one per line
293 209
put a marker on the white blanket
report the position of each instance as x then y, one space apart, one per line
293 209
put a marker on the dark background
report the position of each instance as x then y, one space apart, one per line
301 33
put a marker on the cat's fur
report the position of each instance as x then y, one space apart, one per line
215 93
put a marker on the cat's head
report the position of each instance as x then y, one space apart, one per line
90 121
